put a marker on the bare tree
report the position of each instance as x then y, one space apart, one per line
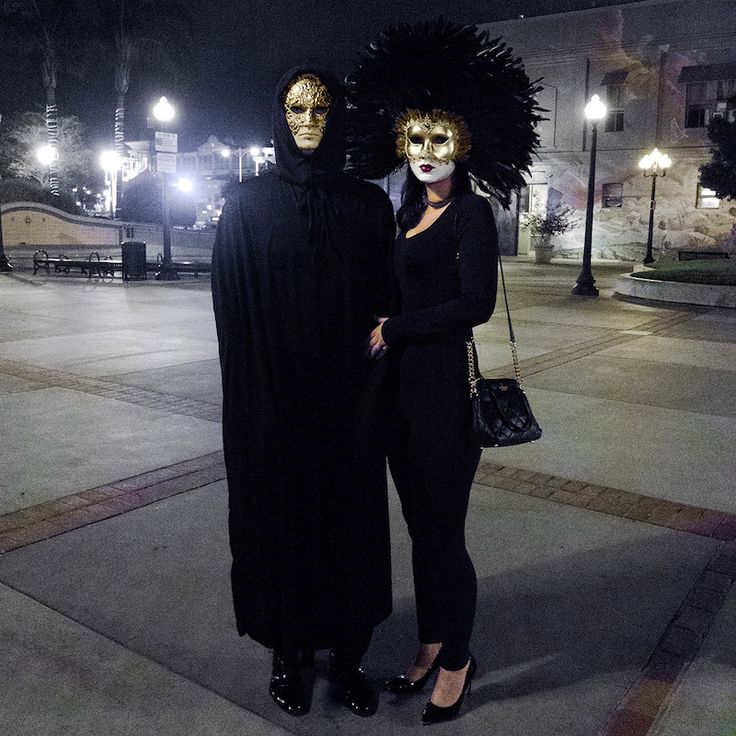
47 30
139 32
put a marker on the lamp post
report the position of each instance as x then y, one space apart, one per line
239 152
166 147
110 163
654 164
256 153
5 266
595 111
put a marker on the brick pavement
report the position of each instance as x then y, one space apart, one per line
680 642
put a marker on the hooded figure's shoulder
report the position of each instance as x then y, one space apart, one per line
251 191
363 190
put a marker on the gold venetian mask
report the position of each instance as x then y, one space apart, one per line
435 136
307 105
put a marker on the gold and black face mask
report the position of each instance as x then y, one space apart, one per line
307 104
438 136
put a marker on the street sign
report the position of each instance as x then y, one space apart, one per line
166 142
166 163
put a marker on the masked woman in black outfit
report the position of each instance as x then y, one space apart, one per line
445 269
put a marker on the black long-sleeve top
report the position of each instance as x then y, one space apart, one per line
446 275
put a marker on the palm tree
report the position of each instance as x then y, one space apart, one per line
139 31
47 29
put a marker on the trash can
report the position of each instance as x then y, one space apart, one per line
134 261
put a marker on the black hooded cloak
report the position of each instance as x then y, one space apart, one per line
300 268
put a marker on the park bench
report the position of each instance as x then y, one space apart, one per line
193 267
91 265
94 265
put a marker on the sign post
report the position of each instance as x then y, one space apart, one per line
166 146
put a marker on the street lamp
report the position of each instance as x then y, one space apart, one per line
5 266
654 164
46 155
166 147
595 111
239 152
257 154
110 163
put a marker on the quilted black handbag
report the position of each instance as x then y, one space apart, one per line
501 412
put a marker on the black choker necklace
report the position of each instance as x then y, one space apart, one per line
441 203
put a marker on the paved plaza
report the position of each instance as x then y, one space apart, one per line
605 552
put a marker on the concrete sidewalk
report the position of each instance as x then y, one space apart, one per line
605 552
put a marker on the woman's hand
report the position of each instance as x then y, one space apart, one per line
376 346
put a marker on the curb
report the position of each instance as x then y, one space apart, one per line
705 295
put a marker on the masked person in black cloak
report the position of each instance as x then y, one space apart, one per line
300 268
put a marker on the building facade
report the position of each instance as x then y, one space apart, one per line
203 172
664 69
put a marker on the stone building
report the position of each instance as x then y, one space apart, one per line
664 68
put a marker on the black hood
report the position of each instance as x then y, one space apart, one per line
328 160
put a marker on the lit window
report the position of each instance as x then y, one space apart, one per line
705 199
612 195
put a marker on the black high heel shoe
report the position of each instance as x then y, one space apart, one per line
437 714
402 685
287 687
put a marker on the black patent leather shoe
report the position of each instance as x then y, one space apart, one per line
352 688
436 714
402 685
287 687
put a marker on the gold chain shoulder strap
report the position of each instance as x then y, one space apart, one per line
474 374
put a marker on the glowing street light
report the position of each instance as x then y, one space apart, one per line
164 113
259 157
595 111
185 185
46 155
239 152
654 164
110 164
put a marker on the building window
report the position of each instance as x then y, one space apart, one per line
705 199
706 99
615 101
612 195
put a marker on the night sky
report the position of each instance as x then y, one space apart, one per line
238 52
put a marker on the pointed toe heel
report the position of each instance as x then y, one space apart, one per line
402 685
436 714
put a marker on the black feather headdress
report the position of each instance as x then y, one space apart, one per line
441 66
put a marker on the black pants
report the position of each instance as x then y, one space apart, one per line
434 500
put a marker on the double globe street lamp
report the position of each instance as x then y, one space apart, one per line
595 111
256 155
654 164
